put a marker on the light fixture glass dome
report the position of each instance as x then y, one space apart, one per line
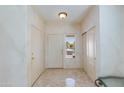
62 15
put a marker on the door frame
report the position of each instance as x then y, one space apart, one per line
64 47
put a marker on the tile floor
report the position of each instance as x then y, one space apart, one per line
64 78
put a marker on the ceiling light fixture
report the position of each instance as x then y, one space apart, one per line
62 15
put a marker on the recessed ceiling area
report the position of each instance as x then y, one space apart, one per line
50 12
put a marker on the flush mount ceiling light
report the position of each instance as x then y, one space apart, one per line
62 15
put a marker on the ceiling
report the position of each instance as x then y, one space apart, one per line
50 12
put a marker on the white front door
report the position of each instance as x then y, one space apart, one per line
54 51
70 51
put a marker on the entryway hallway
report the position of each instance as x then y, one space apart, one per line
64 78
35 40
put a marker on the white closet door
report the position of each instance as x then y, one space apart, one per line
91 53
54 51
84 52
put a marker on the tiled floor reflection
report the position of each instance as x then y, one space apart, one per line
64 78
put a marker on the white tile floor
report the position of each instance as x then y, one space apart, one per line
64 78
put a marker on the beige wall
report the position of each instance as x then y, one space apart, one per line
111 40
90 19
12 46
15 60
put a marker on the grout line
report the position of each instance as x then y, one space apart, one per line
38 78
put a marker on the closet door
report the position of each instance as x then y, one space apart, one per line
91 53
84 52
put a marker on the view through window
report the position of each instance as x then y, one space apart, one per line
70 46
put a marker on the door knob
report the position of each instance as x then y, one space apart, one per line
33 58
